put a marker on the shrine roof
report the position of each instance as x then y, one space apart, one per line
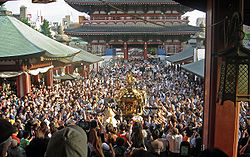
125 29
85 57
196 67
181 56
21 41
98 2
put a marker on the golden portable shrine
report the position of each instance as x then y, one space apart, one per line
130 100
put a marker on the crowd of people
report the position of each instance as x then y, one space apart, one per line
69 119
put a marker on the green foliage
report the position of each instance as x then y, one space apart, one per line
45 29
26 22
152 50
247 36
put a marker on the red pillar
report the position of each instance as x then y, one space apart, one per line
49 78
71 69
88 70
83 71
107 45
97 68
181 46
0 83
67 71
37 78
90 47
23 84
145 54
125 51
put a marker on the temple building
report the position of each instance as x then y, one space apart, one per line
123 25
26 55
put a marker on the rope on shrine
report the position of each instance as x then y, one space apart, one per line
134 15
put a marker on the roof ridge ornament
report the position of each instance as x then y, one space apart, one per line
130 80
4 11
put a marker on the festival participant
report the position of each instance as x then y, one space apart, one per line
175 140
178 98
6 130
156 145
137 137
68 142
120 147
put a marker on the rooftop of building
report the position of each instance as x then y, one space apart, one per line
98 2
133 29
19 40
89 6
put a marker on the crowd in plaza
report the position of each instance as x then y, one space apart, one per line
69 119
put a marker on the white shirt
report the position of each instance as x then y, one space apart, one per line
174 143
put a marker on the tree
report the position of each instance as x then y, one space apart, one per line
45 29
26 22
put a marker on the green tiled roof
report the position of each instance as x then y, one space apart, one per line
20 40
196 67
181 56
66 77
86 57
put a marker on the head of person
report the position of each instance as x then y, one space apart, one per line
122 127
37 147
106 150
6 130
175 131
119 141
156 134
136 127
68 142
109 128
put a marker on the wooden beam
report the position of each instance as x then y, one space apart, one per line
43 1
40 65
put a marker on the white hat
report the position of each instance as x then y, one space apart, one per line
105 146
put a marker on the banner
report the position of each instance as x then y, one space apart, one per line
8 74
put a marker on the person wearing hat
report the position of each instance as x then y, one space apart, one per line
107 150
68 142
6 130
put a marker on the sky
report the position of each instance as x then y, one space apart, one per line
55 11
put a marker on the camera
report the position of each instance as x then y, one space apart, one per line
85 125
